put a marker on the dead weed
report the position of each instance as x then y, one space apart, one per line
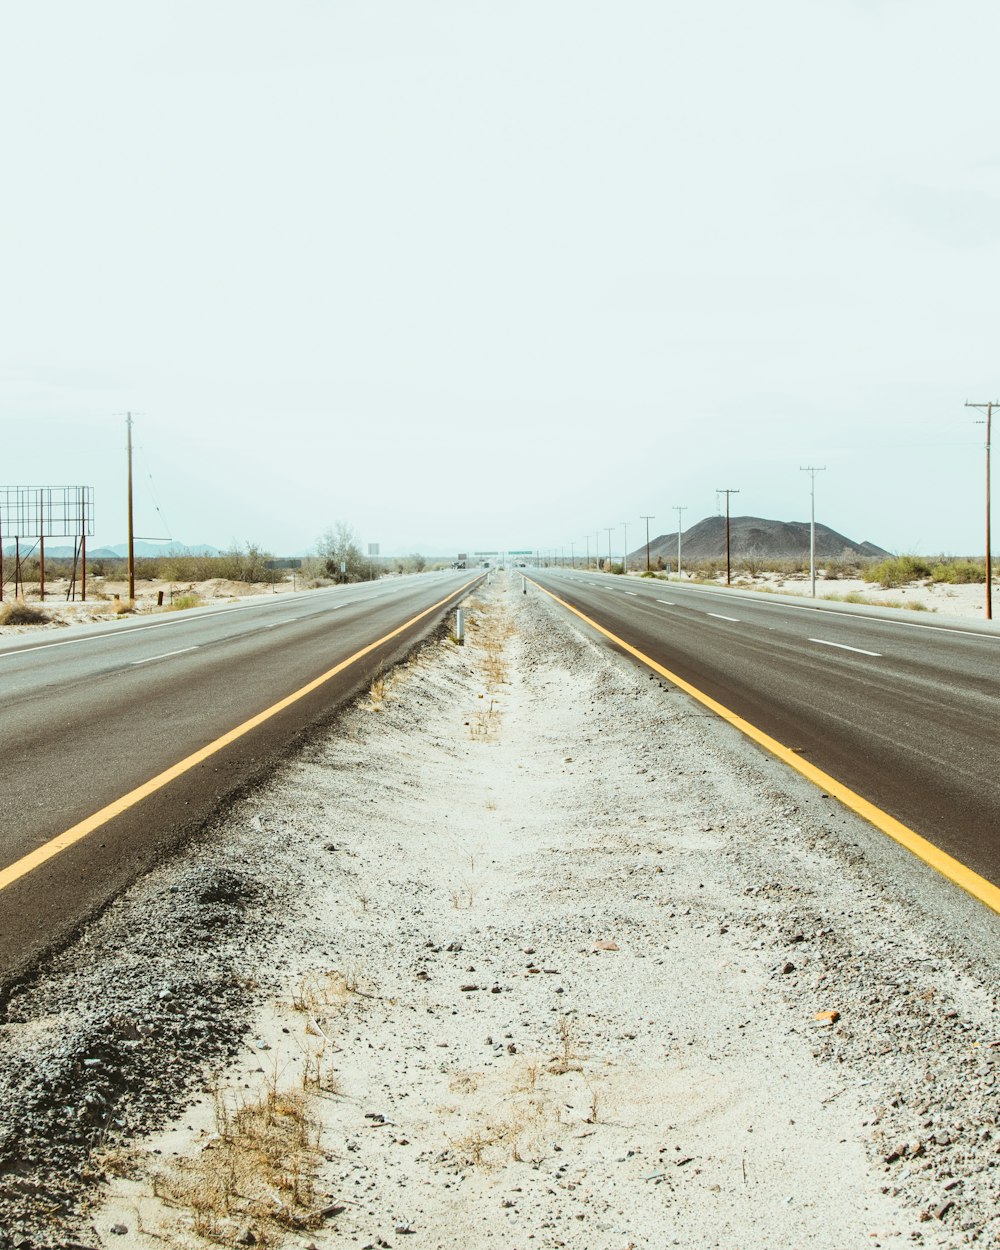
255 1178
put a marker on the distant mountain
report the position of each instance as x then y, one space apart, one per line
777 540
162 549
117 552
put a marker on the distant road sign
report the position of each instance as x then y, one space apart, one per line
463 555
373 549
520 553
486 553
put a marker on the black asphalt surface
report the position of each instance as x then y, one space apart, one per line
903 708
88 714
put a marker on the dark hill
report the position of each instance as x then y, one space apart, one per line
751 535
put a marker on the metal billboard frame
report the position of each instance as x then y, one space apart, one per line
42 512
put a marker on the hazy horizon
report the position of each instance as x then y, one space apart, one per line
477 277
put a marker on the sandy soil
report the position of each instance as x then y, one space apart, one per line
530 951
949 600
107 599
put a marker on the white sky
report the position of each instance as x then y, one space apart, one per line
475 275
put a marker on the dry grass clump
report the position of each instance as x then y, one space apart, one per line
180 603
386 685
20 613
522 1132
463 895
124 607
377 693
485 721
316 990
524 1124
568 1058
256 1178
491 631
854 596
383 688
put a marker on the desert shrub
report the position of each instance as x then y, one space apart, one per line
245 564
181 603
897 570
959 572
20 613
836 567
340 545
704 570
753 561
31 569
124 606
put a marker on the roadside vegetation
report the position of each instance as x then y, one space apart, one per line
900 570
17 612
893 571
337 557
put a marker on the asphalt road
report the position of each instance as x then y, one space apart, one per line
89 714
906 712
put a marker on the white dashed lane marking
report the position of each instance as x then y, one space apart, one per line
844 647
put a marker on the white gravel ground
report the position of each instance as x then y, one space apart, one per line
545 950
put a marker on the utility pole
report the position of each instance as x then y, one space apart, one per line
572 554
625 543
610 529
680 511
989 406
647 519
588 552
131 528
812 470
727 493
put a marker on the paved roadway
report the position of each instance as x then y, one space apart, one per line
89 714
903 709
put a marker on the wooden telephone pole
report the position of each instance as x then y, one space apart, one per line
988 408
131 527
727 493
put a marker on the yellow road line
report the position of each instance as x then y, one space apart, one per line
61 842
985 891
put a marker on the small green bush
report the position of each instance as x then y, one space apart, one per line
21 613
182 602
959 572
897 571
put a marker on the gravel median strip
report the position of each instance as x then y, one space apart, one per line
528 950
